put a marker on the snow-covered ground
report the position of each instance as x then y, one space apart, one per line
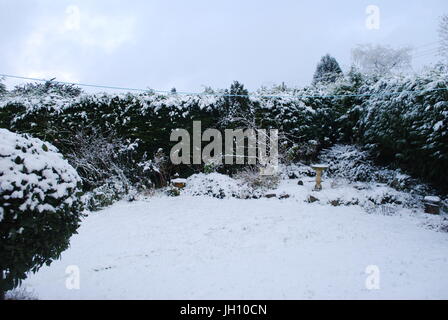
205 248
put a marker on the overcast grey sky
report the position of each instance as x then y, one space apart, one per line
187 44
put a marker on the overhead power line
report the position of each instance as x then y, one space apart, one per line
432 53
426 51
424 46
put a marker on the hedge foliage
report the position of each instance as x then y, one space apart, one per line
403 119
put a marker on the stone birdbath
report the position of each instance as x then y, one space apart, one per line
319 168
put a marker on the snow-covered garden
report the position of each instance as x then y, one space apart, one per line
222 238
201 247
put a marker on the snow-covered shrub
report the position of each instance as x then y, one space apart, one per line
40 206
251 177
388 197
444 225
211 167
352 163
373 197
161 167
103 196
303 151
173 192
21 294
348 162
97 157
296 170
218 186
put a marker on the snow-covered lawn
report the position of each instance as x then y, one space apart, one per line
205 248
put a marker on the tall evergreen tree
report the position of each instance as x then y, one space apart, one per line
327 71
236 101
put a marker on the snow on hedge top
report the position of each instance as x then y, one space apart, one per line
148 101
37 102
32 170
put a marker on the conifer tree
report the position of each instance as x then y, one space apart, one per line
327 71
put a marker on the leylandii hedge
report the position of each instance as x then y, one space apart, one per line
405 123
402 119
146 120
